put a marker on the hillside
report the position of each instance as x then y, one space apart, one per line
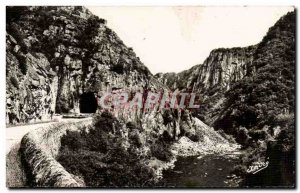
250 93
56 54
268 93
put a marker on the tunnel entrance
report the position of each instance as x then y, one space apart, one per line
88 103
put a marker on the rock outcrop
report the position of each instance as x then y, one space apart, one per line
55 54
223 67
210 80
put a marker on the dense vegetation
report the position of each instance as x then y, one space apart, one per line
111 154
118 153
263 102
265 99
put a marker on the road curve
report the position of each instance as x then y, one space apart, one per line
15 134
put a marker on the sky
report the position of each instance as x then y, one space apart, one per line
173 39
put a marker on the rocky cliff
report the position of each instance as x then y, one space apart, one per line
218 73
56 54
222 68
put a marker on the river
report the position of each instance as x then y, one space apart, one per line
209 171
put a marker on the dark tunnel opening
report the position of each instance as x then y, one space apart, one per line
88 103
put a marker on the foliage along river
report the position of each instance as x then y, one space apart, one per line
209 171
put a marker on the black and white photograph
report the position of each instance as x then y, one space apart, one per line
150 97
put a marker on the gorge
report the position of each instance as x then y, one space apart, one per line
62 60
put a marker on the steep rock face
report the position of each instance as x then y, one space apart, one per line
222 68
60 53
32 95
210 80
55 54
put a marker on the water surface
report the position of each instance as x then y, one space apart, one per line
209 171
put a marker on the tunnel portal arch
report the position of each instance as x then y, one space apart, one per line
88 103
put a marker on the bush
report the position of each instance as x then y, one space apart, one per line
118 168
132 126
106 122
135 138
118 68
258 134
283 119
62 105
168 117
73 140
195 138
242 136
161 150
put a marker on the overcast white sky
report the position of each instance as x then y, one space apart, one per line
172 39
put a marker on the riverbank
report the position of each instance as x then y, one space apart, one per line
210 144
198 165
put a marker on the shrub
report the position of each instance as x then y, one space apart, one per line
73 140
242 136
118 168
136 138
118 68
106 122
168 117
161 150
283 119
62 105
195 138
229 138
132 125
258 134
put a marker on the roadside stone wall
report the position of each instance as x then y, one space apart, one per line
39 149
